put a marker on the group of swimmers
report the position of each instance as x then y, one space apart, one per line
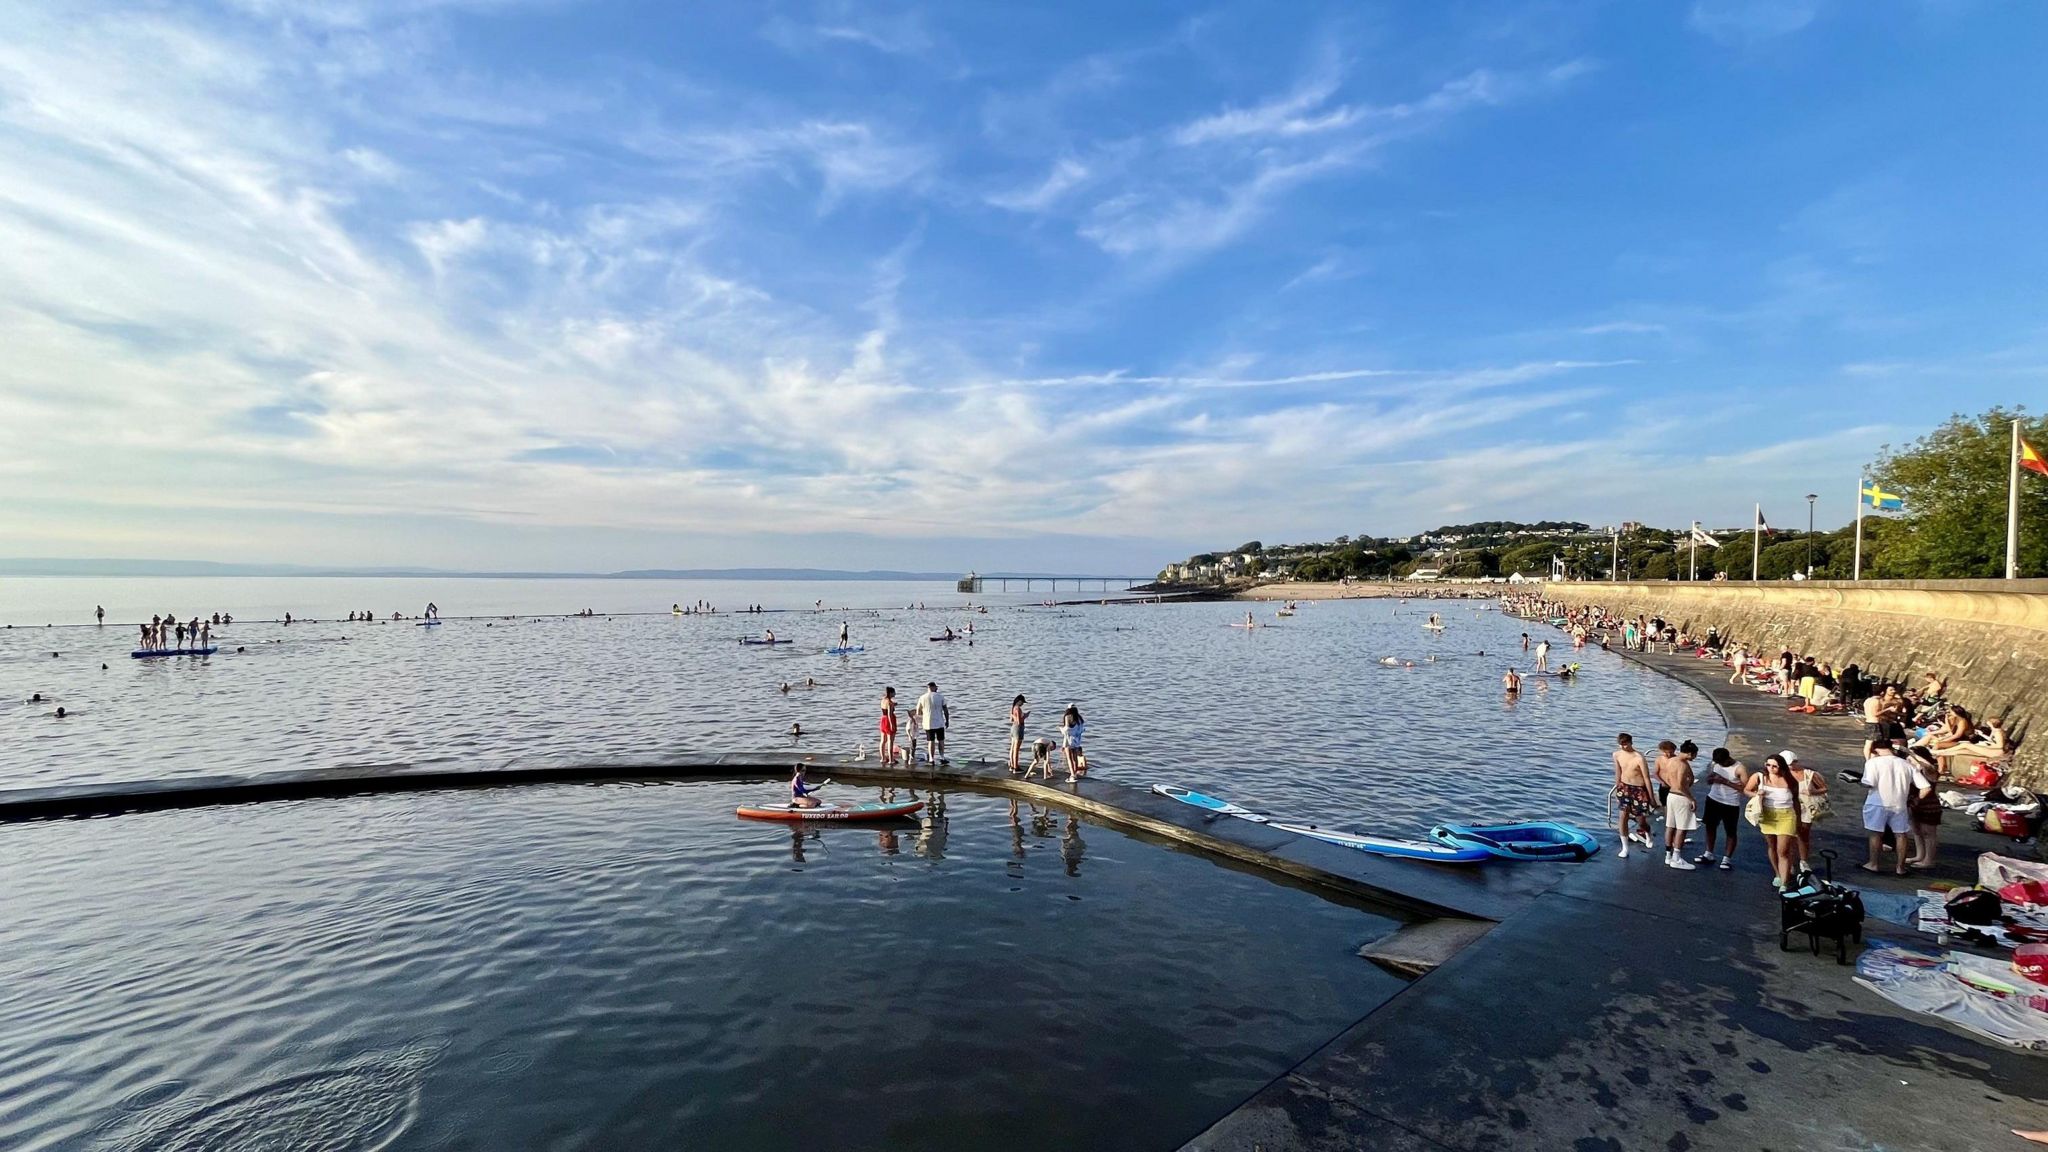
169 634
700 608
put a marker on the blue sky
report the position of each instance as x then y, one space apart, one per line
559 284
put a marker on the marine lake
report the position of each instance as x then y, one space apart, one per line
629 965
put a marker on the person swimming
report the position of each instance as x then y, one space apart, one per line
802 793
1512 681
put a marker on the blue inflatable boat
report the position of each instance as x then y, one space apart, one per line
1534 840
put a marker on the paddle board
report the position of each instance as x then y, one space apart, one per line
871 810
943 639
428 624
1211 803
764 642
150 653
1386 846
846 651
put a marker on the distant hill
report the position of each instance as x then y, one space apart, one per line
131 568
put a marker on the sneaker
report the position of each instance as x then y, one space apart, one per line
1623 854
1704 858
1680 863
1726 864
1778 882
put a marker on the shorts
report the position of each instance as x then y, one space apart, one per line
888 725
1880 819
1635 800
1722 816
1679 815
1874 732
935 733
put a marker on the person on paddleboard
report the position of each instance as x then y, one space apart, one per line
433 611
844 639
802 793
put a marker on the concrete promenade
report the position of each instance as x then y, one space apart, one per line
1633 1006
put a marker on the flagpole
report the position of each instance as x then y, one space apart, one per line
1614 558
1693 564
1856 573
1756 545
2012 509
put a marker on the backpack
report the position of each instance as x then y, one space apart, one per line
1979 906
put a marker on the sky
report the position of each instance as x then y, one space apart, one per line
548 284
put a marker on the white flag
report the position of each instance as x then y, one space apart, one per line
1700 536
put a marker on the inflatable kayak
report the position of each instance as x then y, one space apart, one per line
1210 803
764 642
848 650
1385 846
872 810
1533 840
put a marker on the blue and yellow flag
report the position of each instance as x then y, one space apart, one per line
1883 501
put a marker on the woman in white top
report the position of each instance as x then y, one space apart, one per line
1780 818
1072 728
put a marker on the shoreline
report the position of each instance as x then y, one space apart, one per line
1329 590
1681 1023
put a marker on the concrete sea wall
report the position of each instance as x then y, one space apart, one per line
1989 637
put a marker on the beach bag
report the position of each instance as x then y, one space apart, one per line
2004 822
1754 811
1975 906
1985 776
2031 961
2034 892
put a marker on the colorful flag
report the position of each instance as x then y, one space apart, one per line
2030 459
1883 501
1763 525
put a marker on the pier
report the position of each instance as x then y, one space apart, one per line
975 582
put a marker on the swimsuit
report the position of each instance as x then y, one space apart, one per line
1635 800
888 721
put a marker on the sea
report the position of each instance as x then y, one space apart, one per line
630 965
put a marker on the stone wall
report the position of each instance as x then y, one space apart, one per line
1989 637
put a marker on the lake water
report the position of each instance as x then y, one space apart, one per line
630 966
1299 718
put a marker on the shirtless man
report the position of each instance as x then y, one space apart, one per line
1632 790
1674 772
1880 709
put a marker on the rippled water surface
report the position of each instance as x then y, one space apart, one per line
629 966
632 967
1300 718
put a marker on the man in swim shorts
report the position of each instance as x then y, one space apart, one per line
1675 773
1632 791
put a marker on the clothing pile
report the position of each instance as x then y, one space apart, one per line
1996 1001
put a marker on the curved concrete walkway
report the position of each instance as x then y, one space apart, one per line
1634 1006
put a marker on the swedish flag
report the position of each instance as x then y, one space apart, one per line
1883 501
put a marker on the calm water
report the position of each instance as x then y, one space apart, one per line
1298 718
631 967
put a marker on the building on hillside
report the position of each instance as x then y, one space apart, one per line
1425 574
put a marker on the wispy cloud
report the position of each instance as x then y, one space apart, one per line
1743 22
1066 175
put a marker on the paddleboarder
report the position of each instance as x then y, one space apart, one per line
802 793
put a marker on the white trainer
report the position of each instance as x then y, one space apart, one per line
1681 863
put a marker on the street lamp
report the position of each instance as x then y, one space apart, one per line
1810 498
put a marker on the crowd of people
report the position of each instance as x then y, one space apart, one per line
1914 739
166 633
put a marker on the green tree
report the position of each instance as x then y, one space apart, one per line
1954 483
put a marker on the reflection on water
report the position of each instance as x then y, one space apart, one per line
633 967
1303 719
